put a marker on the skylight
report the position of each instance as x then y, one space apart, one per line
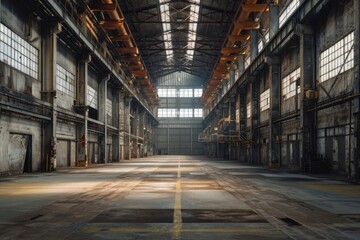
194 17
165 18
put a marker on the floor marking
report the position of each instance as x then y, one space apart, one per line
177 207
164 230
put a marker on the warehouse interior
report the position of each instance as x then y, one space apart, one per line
250 87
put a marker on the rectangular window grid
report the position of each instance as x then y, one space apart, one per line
186 112
289 88
263 40
338 58
18 53
64 80
92 97
248 110
198 112
167 112
265 100
108 107
288 11
167 92
198 92
237 74
247 61
186 93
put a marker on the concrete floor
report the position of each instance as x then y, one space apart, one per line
177 197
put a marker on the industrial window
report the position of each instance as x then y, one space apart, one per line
167 92
92 97
166 112
198 112
64 80
338 58
198 92
165 18
194 17
18 53
186 93
265 100
248 110
186 112
108 107
247 61
237 74
289 88
288 11
263 40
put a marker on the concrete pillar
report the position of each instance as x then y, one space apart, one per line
255 95
242 125
51 29
354 171
135 132
307 82
254 42
103 153
241 64
121 117
232 76
274 19
127 129
275 100
142 116
116 123
232 127
82 108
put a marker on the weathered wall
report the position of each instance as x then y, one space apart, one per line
14 125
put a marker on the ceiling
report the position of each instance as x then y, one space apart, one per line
180 26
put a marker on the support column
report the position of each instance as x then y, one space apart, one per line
103 118
241 64
141 133
307 82
232 127
82 108
254 44
232 76
127 129
274 19
255 95
121 120
275 131
242 126
116 122
135 129
354 172
49 139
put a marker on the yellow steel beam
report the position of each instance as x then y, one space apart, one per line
120 38
99 7
241 38
254 7
112 24
248 25
129 50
